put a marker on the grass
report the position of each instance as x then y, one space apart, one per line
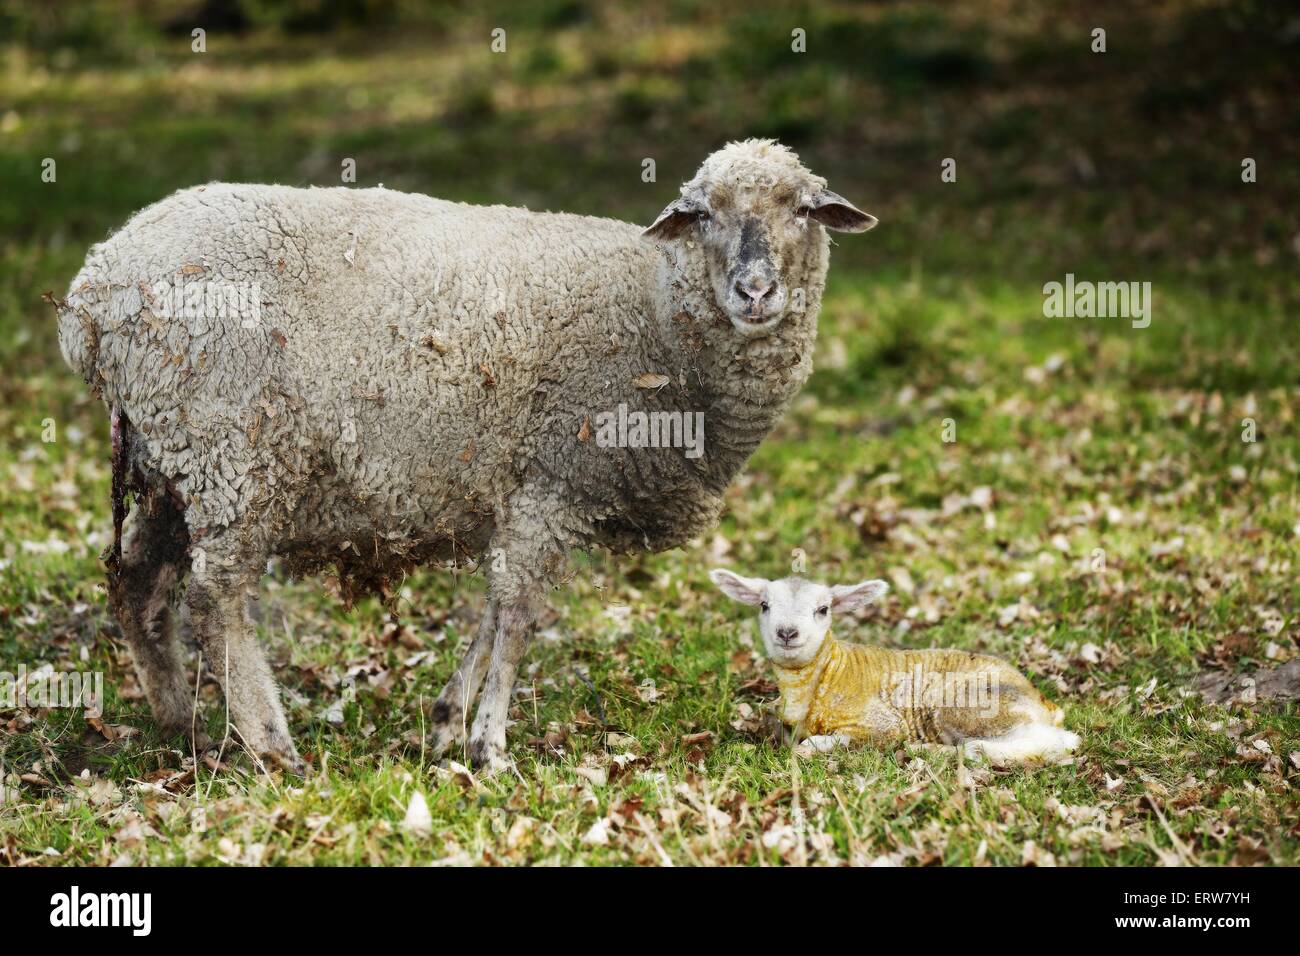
1131 540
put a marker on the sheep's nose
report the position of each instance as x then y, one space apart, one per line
787 634
754 289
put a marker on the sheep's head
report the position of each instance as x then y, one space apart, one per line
794 615
757 213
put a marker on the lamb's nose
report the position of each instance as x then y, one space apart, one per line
787 634
755 289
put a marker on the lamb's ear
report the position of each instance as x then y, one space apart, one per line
676 217
845 597
744 590
835 212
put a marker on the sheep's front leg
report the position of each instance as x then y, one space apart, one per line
218 605
451 710
533 559
487 741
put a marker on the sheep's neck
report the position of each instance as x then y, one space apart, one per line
798 685
743 386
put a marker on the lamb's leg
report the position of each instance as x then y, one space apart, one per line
1027 744
451 710
152 562
822 743
218 605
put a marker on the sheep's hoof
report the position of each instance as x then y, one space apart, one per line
445 734
194 734
443 740
487 759
289 762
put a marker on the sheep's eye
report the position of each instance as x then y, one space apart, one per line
823 611
803 212
763 607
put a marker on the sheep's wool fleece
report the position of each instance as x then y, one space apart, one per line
395 366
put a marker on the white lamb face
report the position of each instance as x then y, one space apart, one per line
794 615
757 214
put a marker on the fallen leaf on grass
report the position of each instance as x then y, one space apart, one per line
520 833
1033 855
597 834
1090 653
758 686
460 774
418 821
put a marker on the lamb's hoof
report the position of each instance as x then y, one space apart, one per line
488 759
820 744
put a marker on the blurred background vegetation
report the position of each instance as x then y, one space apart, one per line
1129 158
1123 165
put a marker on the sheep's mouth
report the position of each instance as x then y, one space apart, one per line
750 322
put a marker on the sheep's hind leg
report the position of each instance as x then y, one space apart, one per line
451 710
218 606
1027 744
153 562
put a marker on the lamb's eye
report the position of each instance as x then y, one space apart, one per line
763 607
823 611
803 212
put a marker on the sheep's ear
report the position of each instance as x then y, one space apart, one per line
835 212
744 590
845 597
676 217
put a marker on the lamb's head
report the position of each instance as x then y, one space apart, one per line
758 215
794 615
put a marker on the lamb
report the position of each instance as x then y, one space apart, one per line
374 380
839 693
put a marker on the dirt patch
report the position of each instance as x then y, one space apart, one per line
1281 683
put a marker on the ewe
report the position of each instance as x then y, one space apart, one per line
840 693
372 380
